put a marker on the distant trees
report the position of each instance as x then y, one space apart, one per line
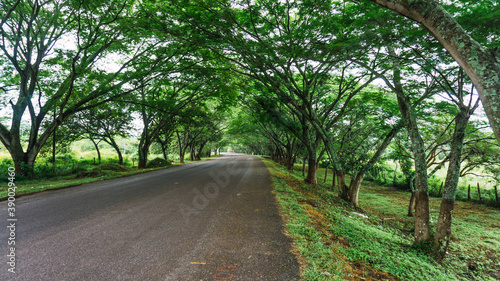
55 55
315 78
102 124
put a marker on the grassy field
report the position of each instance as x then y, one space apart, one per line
91 174
337 242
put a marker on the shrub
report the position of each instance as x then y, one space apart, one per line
158 162
113 167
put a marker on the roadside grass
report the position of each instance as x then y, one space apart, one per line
97 173
335 241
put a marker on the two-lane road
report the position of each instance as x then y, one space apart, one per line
212 220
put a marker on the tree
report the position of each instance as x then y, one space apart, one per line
44 74
481 64
103 123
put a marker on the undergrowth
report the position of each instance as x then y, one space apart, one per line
338 242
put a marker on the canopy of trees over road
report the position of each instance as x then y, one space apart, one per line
350 83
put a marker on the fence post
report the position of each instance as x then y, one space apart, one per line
479 191
468 193
496 193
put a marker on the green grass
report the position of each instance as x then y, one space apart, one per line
333 237
95 173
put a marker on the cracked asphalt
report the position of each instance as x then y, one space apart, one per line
211 220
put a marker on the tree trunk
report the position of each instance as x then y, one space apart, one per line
413 202
191 153
481 64
143 157
143 151
54 151
354 188
182 148
356 182
117 149
443 228
422 232
311 168
343 190
326 173
164 152
394 181
303 167
96 145
334 176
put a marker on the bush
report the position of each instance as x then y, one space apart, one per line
158 163
113 167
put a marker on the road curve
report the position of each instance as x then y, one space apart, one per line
211 220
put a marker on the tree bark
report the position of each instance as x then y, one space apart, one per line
143 151
356 182
334 176
326 173
422 232
311 168
191 153
481 64
96 145
354 188
343 190
411 206
443 228
113 143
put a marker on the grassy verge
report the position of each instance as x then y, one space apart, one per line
337 242
99 173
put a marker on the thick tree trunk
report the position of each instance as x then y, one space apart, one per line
443 228
143 157
191 153
343 190
23 162
354 188
143 151
481 64
422 232
311 168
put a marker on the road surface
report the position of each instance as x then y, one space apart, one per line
211 220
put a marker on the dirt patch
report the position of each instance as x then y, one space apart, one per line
353 270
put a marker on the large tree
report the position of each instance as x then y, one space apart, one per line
63 56
482 64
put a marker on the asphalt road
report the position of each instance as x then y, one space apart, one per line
211 220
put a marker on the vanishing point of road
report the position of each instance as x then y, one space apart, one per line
210 220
